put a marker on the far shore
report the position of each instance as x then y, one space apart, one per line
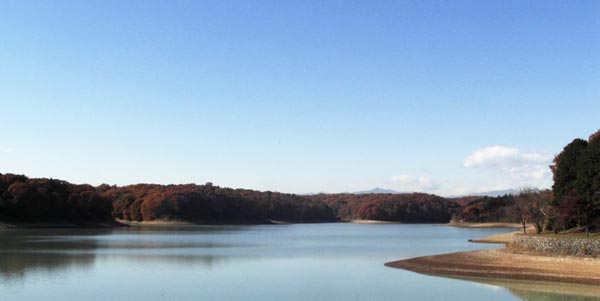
484 225
127 223
506 264
122 223
154 223
370 221
5 225
272 222
185 223
503 238
130 223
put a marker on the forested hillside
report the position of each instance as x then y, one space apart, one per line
530 206
30 201
409 208
24 200
491 209
209 204
45 201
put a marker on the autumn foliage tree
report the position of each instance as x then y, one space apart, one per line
213 204
27 200
530 206
489 209
409 207
535 208
49 201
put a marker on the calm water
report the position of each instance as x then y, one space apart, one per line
278 262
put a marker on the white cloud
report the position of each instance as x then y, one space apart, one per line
401 179
519 165
6 150
412 183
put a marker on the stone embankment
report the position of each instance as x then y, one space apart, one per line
570 246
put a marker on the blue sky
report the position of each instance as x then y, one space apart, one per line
446 97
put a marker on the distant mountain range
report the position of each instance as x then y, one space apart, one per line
378 190
491 193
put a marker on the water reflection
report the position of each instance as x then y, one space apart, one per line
541 290
300 262
54 251
15 266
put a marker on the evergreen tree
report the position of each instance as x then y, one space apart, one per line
564 169
588 181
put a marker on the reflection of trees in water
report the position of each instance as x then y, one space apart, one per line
53 251
546 296
15 266
542 291
191 261
20 253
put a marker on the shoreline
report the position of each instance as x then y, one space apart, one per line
502 238
125 223
186 223
268 222
166 223
505 265
154 223
372 221
9 226
483 225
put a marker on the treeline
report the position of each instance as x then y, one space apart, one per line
491 209
210 204
24 200
49 201
409 208
531 206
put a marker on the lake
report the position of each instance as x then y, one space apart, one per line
338 261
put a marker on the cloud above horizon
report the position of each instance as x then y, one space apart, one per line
6 150
413 183
519 165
